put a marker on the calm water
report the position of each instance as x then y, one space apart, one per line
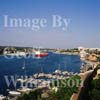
34 65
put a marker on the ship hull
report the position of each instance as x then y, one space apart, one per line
41 55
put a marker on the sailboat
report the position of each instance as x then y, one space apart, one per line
58 71
24 67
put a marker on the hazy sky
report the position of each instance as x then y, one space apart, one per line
83 30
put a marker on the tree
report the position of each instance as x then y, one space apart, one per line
94 94
65 92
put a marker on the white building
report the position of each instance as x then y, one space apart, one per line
81 48
83 54
93 48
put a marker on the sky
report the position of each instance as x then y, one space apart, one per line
83 29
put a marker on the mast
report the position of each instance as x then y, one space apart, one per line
65 65
59 67
24 67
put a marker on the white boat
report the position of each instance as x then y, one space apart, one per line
24 89
65 73
2 97
35 75
57 72
14 93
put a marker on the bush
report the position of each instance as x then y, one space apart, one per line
94 88
65 92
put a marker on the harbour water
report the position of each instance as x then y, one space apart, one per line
33 65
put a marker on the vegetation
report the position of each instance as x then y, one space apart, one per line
64 91
94 87
5 99
70 50
94 92
98 58
33 95
1 51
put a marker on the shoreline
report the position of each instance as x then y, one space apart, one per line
67 53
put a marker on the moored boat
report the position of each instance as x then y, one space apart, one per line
2 97
14 93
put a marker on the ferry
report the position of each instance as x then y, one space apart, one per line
41 53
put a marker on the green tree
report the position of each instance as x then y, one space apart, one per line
33 95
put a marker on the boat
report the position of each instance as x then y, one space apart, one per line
41 53
57 72
65 73
2 97
24 89
14 93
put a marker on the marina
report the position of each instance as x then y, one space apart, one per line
41 76
49 50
